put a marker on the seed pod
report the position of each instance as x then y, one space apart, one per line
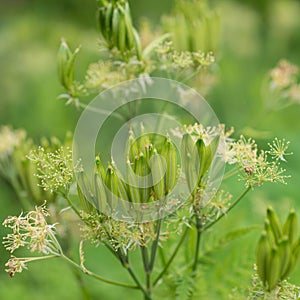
134 193
270 233
65 65
142 170
187 150
199 159
108 23
85 194
263 257
138 45
273 272
101 201
284 250
99 167
115 26
132 148
170 155
274 223
122 33
290 227
64 54
129 27
101 17
111 182
157 166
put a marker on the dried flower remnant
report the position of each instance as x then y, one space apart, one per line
33 232
30 230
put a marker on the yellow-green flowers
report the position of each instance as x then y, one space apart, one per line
278 249
32 231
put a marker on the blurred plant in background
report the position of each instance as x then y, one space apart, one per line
172 50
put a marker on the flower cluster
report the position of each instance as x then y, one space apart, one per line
55 169
100 228
9 140
255 165
281 86
32 231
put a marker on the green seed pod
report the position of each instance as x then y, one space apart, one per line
275 223
170 155
85 193
134 193
65 65
108 23
157 166
138 45
263 257
63 56
101 21
142 169
270 233
99 167
129 27
122 34
290 227
273 271
115 26
187 150
284 250
111 182
199 159
100 195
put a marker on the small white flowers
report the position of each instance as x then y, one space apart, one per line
55 169
9 139
278 149
254 165
32 231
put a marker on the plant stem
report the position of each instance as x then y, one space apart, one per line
89 273
228 210
198 242
154 245
165 269
146 268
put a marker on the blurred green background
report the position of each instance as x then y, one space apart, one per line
255 35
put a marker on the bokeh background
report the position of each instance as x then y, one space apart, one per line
255 35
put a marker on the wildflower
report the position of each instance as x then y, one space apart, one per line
15 265
283 75
254 165
30 230
55 169
278 149
9 139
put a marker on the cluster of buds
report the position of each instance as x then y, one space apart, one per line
115 25
151 173
278 249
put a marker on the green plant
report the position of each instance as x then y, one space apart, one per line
171 249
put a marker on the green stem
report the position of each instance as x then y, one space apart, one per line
165 269
89 273
155 245
198 242
228 210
